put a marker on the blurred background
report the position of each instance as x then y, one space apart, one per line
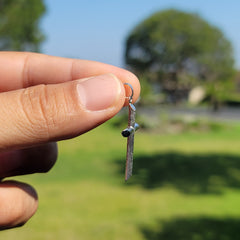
186 175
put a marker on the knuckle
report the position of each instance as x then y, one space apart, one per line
38 110
46 110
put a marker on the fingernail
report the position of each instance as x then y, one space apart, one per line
99 93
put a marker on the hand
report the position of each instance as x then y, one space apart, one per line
45 99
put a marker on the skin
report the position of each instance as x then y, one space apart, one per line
45 99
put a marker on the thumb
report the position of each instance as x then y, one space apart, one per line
46 113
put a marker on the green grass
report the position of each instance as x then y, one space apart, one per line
185 186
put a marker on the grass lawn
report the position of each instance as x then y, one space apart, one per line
184 186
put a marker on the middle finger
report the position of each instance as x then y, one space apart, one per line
30 160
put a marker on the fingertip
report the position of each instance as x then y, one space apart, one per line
18 203
100 92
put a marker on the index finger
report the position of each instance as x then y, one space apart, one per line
22 69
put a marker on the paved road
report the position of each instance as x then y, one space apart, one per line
224 114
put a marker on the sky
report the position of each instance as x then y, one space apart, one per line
97 29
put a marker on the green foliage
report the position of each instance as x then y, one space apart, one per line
179 50
19 24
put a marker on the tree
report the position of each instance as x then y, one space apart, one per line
180 50
19 24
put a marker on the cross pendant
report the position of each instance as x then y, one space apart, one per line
129 133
